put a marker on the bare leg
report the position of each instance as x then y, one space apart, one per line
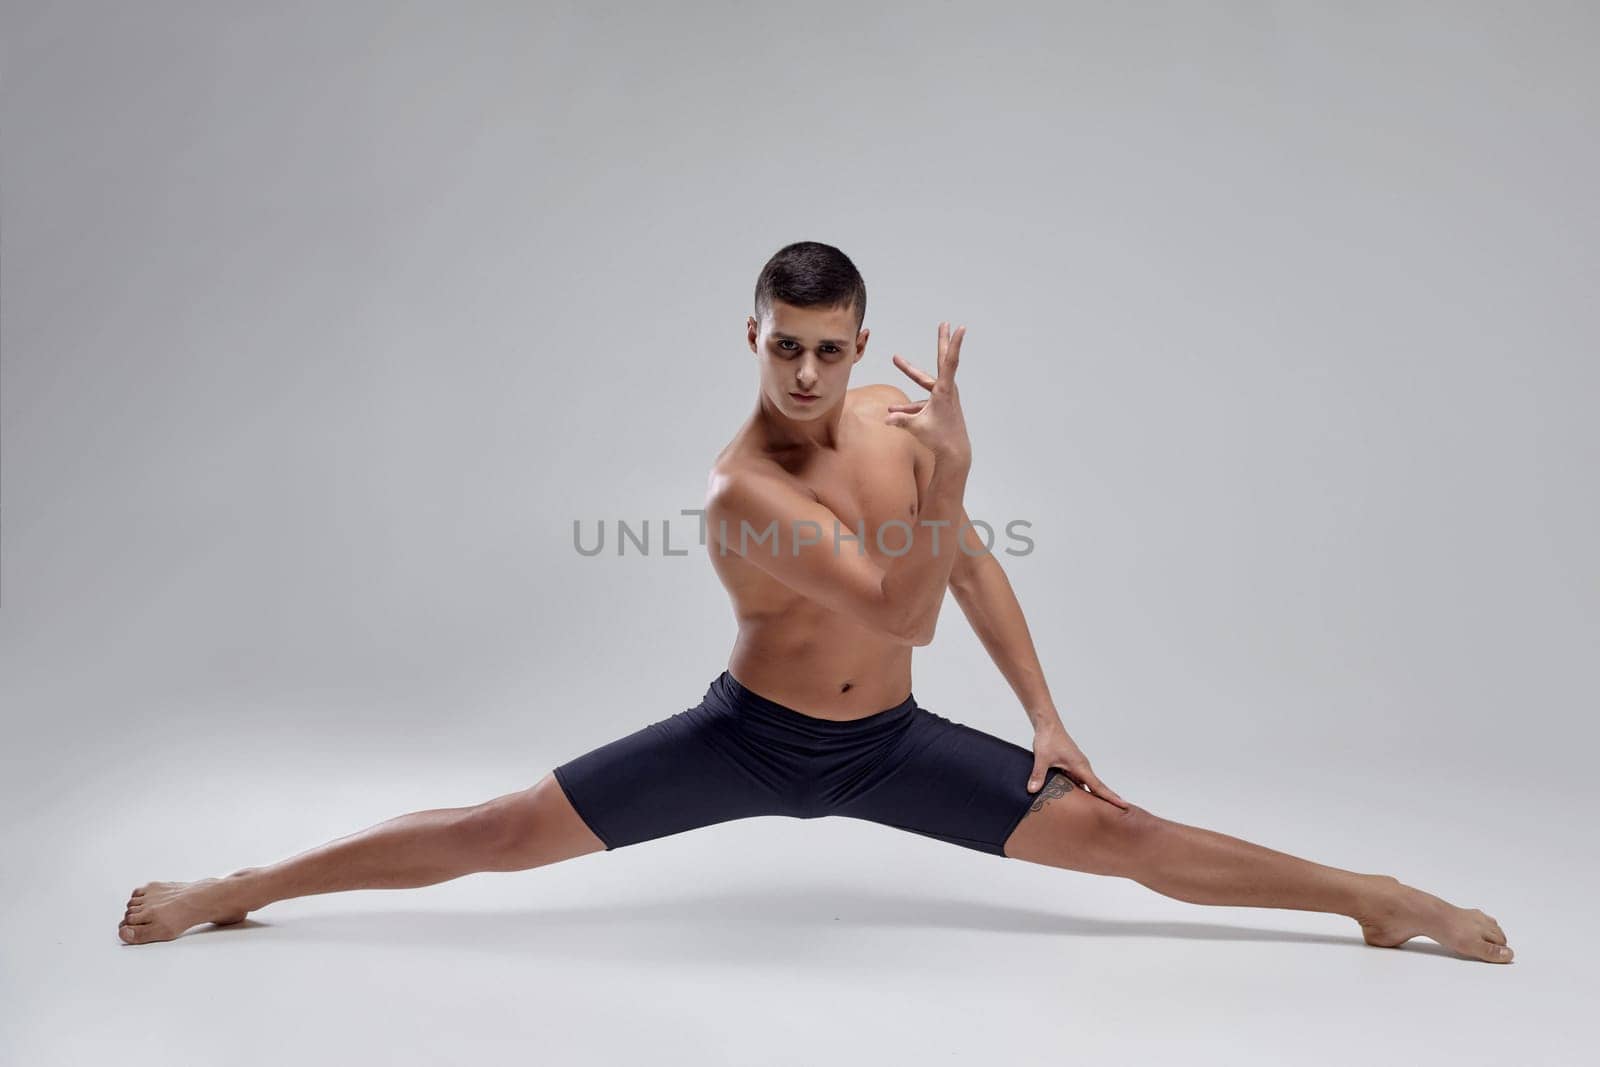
530 828
1071 828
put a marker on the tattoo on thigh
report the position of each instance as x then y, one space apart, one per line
1057 785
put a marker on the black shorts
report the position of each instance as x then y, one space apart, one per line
737 755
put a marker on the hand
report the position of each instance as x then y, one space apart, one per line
1053 747
937 421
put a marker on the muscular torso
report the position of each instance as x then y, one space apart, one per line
791 649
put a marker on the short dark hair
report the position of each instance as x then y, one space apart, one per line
811 274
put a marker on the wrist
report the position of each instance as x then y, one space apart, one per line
1044 717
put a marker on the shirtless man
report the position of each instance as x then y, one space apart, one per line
832 519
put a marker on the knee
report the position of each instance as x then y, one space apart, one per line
1114 821
1116 833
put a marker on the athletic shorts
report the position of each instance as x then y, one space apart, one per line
737 755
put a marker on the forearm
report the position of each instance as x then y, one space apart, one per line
991 607
914 583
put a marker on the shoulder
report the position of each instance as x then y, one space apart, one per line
740 482
878 396
872 403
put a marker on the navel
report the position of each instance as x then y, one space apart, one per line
845 688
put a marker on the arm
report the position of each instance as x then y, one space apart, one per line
901 597
984 592
923 584
981 587
797 540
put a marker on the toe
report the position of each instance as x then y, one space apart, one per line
139 918
1494 953
143 933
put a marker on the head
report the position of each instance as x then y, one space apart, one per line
806 332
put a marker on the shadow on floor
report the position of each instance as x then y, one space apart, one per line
744 926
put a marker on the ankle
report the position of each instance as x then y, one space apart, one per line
1379 895
246 888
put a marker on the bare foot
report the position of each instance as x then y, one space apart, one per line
160 911
1401 912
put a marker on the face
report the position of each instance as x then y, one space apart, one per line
806 352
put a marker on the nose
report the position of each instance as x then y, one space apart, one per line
806 375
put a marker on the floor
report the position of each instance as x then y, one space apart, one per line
774 941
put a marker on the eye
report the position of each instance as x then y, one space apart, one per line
781 345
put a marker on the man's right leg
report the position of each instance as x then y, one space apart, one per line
692 769
530 828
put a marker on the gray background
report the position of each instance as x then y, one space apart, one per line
322 323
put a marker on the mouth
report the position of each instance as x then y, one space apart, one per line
804 398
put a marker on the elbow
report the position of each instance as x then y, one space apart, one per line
903 623
911 638
915 632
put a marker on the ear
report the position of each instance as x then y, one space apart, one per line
753 329
861 345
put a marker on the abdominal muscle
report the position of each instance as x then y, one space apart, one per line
820 663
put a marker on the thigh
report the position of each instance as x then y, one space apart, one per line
533 827
681 773
952 782
1069 827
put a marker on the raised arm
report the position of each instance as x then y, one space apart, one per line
803 544
798 541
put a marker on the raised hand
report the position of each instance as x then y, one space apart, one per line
937 421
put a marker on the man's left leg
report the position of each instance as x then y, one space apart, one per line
1071 828
950 781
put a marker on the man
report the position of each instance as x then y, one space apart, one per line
834 519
